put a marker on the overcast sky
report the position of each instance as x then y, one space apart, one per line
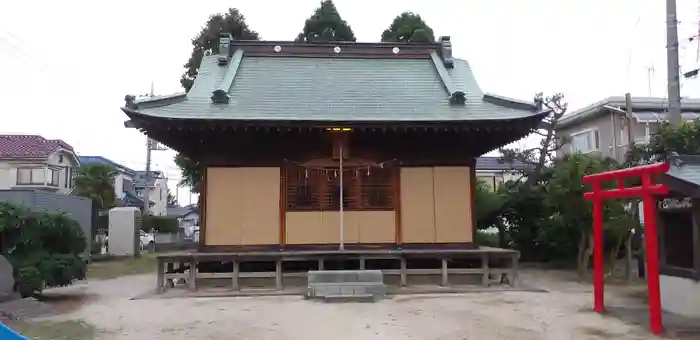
66 65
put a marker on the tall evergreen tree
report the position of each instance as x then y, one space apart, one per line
326 25
408 27
207 40
204 43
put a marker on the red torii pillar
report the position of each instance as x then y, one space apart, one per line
646 191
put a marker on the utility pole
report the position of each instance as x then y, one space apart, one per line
673 68
636 237
147 188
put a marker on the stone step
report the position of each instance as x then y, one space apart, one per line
322 290
351 298
345 276
346 283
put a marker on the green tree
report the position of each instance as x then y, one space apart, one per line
683 140
172 200
96 182
326 25
573 213
191 172
207 40
408 27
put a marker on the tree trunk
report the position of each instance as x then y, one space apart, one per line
586 256
628 256
581 253
501 233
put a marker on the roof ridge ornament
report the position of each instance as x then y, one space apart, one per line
220 94
446 52
225 40
457 96
130 102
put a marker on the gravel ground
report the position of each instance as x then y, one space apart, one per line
563 313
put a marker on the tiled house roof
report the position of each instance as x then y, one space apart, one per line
140 179
496 164
684 174
106 161
29 146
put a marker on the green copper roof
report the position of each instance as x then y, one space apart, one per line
301 88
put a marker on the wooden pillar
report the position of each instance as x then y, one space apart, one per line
278 275
362 263
403 272
472 201
236 273
192 279
160 285
321 264
696 234
170 269
486 277
397 204
283 206
445 281
203 209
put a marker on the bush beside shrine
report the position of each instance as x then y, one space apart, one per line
43 247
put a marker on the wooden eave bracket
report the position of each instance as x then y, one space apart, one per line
457 97
220 94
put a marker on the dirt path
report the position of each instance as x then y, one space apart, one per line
564 313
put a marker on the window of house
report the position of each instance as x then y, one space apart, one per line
585 141
60 159
319 189
66 174
31 176
55 175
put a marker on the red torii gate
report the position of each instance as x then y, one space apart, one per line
646 191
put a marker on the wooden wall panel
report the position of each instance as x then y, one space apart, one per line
261 207
453 222
377 226
331 227
417 205
224 206
304 227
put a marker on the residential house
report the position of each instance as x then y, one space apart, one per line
36 163
187 216
158 185
494 172
602 128
123 181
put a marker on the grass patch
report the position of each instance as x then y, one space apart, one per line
116 267
47 330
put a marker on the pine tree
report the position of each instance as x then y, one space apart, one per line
326 25
408 27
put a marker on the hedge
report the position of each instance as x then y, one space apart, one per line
43 247
161 224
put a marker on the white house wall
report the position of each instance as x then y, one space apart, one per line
159 196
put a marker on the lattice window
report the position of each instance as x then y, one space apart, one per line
318 189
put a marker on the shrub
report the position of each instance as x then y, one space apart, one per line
161 224
44 248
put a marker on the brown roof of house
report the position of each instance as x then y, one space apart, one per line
29 146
